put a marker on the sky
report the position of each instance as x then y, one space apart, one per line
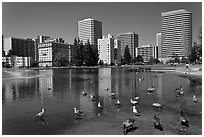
59 19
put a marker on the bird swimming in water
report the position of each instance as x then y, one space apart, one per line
99 105
195 99
157 105
84 93
92 98
184 121
78 112
41 114
118 102
157 123
49 88
133 102
137 98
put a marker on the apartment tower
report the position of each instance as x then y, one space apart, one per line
176 33
89 29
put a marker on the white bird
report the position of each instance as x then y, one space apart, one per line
137 98
40 114
195 99
157 105
113 94
134 110
134 101
140 79
78 112
99 105
150 89
118 102
92 98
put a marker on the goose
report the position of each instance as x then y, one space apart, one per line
133 102
118 102
195 99
134 110
99 105
40 114
157 105
157 123
184 120
78 112
84 93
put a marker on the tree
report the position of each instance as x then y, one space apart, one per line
10 53
127 56
151 60
88 54
140 58
194 53
61 59
77 53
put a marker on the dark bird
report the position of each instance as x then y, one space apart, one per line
157 123
184 121
42 113
49 88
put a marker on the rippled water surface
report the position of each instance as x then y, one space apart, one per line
22 97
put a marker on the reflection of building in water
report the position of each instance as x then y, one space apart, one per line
159 88
14 89
46 85
116 81
104 82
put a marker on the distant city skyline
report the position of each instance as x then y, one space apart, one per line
22 20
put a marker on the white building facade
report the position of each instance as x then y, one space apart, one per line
89 29
106 49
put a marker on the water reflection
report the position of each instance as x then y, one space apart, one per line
60 90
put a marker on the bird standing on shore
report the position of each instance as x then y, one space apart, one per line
41 114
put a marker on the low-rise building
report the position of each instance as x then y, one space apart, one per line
16 61
147 51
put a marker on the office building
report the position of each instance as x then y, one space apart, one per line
15 61
131 40
158 44
147 51
89 29
106 49
49 51
176 33
22 47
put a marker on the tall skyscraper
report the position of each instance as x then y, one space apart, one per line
131 40
176 33
158 44
89 29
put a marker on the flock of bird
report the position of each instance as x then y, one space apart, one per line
157 124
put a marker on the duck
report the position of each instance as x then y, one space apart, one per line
184 120
106 89
150 89
113 94
78 112
157 123
134 102
118 103
135 112
41 114
157 105
99 105
84 93
195 99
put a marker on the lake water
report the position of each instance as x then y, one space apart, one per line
23 98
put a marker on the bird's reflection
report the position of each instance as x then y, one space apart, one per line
42 121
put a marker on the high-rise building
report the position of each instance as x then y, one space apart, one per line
89 29
23 47
131 40
176 33
147 52
158 44
106 49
